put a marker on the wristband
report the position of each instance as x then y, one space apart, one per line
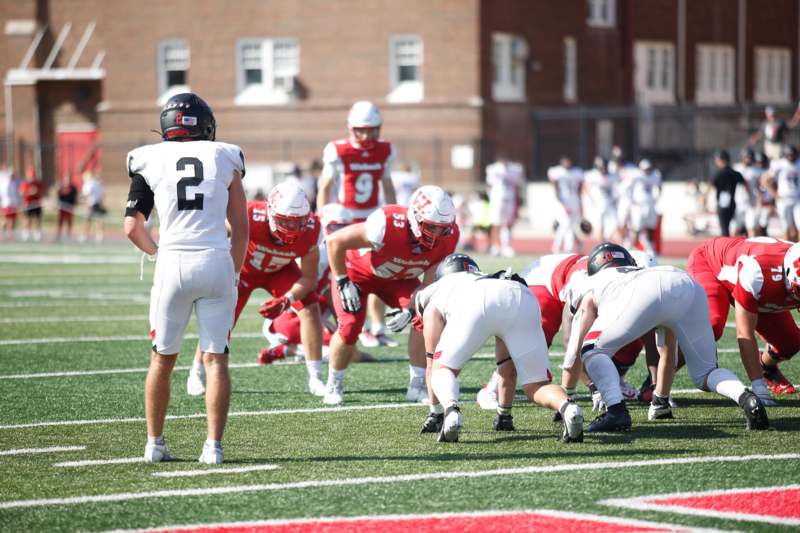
289 296
341 278
429 355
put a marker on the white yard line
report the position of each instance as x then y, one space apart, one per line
432 476
216 471
99 462
57 259
267 412
650 503
70 373
52 449
60 319
502 514
111 338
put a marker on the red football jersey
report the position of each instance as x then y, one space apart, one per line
752 271
267 254
31 191
395 254
362 173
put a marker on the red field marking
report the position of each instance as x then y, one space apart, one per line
551 521
774 505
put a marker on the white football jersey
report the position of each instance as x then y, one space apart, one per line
503 179
441 294
607 285
786 177
568 183
644 187
190 182
752 177
605 185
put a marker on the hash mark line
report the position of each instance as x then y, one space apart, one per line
216 471
301 410
59 319
112 338
96 462
70 373
52 449
431 476
650 503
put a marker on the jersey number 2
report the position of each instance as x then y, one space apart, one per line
196 203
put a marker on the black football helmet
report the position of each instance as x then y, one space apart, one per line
789 151
456 262
187 116
608 254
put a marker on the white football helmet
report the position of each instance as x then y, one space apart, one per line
287 211
431 215
643 259
364 122
791 270
334 217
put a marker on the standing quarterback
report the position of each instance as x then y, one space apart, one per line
195 184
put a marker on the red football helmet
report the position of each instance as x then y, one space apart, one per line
431 215
287 211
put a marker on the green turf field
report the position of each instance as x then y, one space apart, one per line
73 347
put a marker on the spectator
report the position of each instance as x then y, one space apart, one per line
10 201
725 182
94 193
67 198
773 132
32 191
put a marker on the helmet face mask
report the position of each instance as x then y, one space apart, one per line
364 122
288 211
431 215
791 271
365 137
186 116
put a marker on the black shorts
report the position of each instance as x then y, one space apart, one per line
97 211
33 212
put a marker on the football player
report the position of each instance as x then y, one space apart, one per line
195 184
460 311
604 184
760 278
781 180
505 179
358 168
749 198
644 189
386 255
283 230
620 302
567 181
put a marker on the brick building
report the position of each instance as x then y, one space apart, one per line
458 81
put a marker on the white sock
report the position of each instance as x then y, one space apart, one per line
494 382
378 329
197 365
605 377
505 237
445 386
437 408
314 368
156 440
416 372
335 374
211 443
724 382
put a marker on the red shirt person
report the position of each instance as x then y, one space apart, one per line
386 255
32 191
759 278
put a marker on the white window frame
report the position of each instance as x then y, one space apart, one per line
654 72
165 92
410 90
602 13
715 75
509 58
269 91
773 75
570 69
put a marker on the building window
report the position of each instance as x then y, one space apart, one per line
173 68
773 75
267 71
509 56
654 72
602 13
714 74
405 67
570 69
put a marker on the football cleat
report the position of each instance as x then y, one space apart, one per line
760 389
573 425
196 382
417 391
156 453
659 409
211 454
777 382
611 421
451 425
646 391
315 386
267 356
503 423
433 423
487 398
754 411
368 340
334 392
385 340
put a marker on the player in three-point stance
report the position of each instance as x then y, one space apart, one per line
620 302
460 311
195 184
